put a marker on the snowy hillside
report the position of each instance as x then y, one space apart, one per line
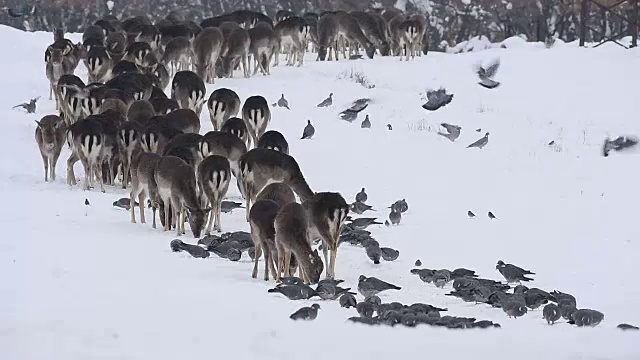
82 282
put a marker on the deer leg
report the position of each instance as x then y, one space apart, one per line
167 219
132 208
45 161
267 261
125 174
217 208
258 248
153 209
334 252
325 254
177 214
245 64
287 264
210 222
100 178
71 177
280 265
271 262
141 201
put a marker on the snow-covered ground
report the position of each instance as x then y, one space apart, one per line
83 282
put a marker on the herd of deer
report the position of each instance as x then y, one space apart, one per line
122 123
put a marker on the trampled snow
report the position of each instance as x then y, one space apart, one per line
82 282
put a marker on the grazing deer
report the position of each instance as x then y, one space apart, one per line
263 44
420 22
187 147
236 127
256 115
143 184
98 64
292 237
116 105
293 33
163 106
133 85
214 175
156 136
327 36
227 145
262 217
223 104
141 112
177 54
66 100
350 31
87 139
152 66
327 212
279 192
188 90
371 29
259 167
176 181
184 120
116 45
206 49
235 51
50 135
129 146
273 140
136 52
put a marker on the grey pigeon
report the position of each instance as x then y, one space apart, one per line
367 321
329 291
30 107
389 254
400 205
619 144
372 286
193 250
478 129
282 102
375 300
395 217
373 251
347 300
306 313
334 282
363 223
86 202
534 298
355 57
124 203
366 124
551 313
360 207
453 131
418 263
437 99
484 324
387 223
426 275
365 309
563 297
441 278
389 127
627 327
308 131
295 292
514 308
513 273
566 309
586 317
491 216
352 113
228 206
327 102
362 196
471 214
480 143
486 74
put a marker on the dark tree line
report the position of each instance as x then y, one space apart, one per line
452 21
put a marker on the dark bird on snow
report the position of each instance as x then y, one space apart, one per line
124 203
389 127
365 309
372 248
282 102
308 131
86 202
366 123
387 223
291 280
513 273
347 300
372 286
306 313
480 143
395 217
627 327
514 309
400 205
193 250
228 206
437 99
330 291
418 263
30 107
619 144
486 74
355 57
551 313
327 102
586 317
453 131
363 223
389 254
351 113
471 214
478 129
362 196
491 216
360 207
295 292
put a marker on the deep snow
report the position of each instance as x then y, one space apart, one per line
84 283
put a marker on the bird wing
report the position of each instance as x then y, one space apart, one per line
492 69
476 143
21 105
488 83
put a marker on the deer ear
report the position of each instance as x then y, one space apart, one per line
206 210
38 122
